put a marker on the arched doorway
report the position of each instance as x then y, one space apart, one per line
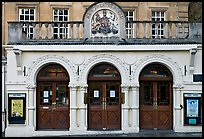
104 105
53 98
156 97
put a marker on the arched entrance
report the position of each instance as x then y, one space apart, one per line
155 97
53 98
104 106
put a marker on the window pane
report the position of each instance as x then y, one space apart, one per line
55 36
153 14
56 18
65 12
60 12
21 17
65 18
55 12
31 11
60 18
55 30
131 13
26 11
22 11
32 18
27 18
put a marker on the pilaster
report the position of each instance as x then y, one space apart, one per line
125 108
177 98
73 114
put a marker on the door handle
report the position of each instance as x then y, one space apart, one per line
53 107
104 105
155 105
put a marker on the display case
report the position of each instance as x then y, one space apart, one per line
16 108
193 109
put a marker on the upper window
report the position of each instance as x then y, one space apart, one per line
104 70
155 70
158 29
129 26
61 30
53 71
27 15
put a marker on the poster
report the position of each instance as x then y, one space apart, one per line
192 107
45 101
45 93
17 108
112 93
96 93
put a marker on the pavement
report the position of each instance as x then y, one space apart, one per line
142 133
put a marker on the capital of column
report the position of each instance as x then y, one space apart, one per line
31 87
84 86
178 86
124 87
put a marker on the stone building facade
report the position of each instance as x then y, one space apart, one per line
86 68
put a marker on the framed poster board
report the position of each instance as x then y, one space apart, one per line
112 93
96 93
16 108
192 109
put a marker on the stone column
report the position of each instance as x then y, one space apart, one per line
31 107
125 107
177 108
82 108
73 115
135 107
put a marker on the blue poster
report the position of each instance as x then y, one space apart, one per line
192 107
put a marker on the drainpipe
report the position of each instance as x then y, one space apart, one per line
3 91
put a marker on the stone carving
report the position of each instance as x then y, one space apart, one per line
104 19
105 22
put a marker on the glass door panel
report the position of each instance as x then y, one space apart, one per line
61 94
96 93
46 94
112 93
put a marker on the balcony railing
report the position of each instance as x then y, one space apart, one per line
73 31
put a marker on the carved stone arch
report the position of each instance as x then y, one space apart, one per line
108 58
96 7
48 59
162 59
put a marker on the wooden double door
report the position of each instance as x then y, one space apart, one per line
156 105
156 97
104 107
53 105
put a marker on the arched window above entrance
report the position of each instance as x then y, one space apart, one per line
104 71
156 71
53 71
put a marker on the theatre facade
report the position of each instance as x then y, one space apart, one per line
113 69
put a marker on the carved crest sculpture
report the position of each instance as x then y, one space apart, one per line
104 21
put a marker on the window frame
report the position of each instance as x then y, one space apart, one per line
65 30
30 34
160 27
130 29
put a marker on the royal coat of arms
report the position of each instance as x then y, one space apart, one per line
104 22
